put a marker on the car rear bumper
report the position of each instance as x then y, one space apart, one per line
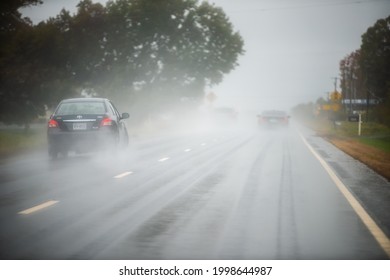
79 141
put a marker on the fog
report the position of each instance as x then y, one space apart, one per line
209 180
292 48
195 188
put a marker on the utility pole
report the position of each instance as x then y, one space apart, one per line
335 83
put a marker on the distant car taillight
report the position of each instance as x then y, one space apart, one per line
106 122
52 124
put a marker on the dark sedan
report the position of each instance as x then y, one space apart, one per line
85 125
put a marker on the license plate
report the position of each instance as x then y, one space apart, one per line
79 126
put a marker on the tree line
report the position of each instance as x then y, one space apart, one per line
364 74
152 52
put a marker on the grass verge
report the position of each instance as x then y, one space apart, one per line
372 147
382 143
16 140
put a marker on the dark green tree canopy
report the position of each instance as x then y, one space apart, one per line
10 18
158 51
365 73
16 66
352 81
154 46
375 58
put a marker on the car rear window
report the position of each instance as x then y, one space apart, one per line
77 108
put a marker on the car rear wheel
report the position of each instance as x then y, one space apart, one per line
53 153
125 140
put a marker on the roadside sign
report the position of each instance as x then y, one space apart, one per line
331 107
358 119
353 118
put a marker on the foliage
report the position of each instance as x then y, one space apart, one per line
18 81
365 73
10 18
375 58
160 51
352 81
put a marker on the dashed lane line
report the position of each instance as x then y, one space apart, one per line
38 207
375 230
124 174
163 159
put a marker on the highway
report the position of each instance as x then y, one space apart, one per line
226 194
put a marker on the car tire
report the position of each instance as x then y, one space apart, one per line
125 140
53 153
114 145
65 153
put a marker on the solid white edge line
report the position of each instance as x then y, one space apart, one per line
163 159
123 174
375 230
38 207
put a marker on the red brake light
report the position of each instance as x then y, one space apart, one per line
106 122
52 123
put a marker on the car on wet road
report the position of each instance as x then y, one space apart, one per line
273 119
84 125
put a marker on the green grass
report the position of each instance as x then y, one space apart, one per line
379 143
372 134
349 129
367 129
17 140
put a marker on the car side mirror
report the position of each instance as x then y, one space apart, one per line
125 115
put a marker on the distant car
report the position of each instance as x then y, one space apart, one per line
85 125
273 118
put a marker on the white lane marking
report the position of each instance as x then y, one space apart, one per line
163 159
187 150
38 207
203 144
124 174
375 230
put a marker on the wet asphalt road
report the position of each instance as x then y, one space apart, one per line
232 194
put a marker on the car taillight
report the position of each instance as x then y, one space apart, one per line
106 122
52 123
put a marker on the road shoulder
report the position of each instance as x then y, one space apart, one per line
371 189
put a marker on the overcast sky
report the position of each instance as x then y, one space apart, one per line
293 47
